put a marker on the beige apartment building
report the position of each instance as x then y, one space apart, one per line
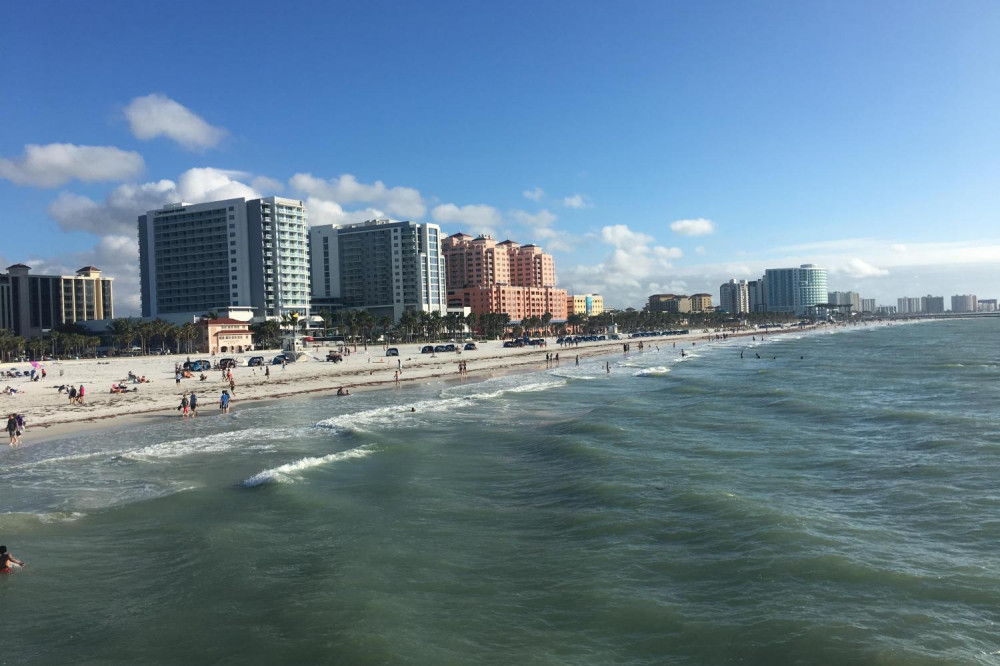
701 302
31 305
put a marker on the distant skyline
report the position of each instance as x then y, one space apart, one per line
651 147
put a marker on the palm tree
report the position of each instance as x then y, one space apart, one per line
327 315
385 324
266 333
123 332
144 332
171 337
546 318
409 321
470 321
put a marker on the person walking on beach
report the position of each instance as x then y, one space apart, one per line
72 394
6 559
12 430
224 402
232 384
193 404
79 395
183 407
267 372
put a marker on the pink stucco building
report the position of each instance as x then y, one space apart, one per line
489 277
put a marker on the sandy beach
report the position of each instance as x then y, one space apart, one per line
49 413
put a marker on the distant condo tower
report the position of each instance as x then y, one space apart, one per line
34 304
796 290
734 297
224 255
380 266
491 277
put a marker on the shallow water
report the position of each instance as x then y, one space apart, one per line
833 502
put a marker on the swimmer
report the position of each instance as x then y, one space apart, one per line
6 559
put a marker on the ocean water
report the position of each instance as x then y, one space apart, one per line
834 502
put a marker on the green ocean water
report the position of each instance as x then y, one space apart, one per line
833 502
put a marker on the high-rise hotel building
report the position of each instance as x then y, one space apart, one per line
223 255
796 290
34 304
491 277
380 266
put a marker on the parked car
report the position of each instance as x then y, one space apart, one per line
392 351
471 346
197 366
427 349
449 348
255 361
335 357
227 363
283 358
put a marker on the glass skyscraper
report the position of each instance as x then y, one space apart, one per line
796 290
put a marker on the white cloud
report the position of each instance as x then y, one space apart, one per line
539 230
535 194
118 213
696 227
700 250
158 115
542 218
477 218
54 164
577 201
269 186
859 268
117 257
322 211
634 266
404 202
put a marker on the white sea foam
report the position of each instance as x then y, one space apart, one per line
657 371
394 415
16 520
289 472
215 443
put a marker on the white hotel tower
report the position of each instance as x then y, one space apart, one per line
225 255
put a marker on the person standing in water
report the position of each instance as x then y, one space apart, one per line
6 559
12 430
193 403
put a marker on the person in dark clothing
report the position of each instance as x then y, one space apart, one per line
6 559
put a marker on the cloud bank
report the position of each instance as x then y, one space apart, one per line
55 164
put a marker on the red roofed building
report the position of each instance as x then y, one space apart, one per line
224 336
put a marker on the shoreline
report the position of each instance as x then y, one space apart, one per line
49 416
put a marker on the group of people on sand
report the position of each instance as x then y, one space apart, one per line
15 426
189 404
75 394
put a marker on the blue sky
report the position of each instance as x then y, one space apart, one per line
650 146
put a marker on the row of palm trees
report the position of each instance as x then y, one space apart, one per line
56 343
125 333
